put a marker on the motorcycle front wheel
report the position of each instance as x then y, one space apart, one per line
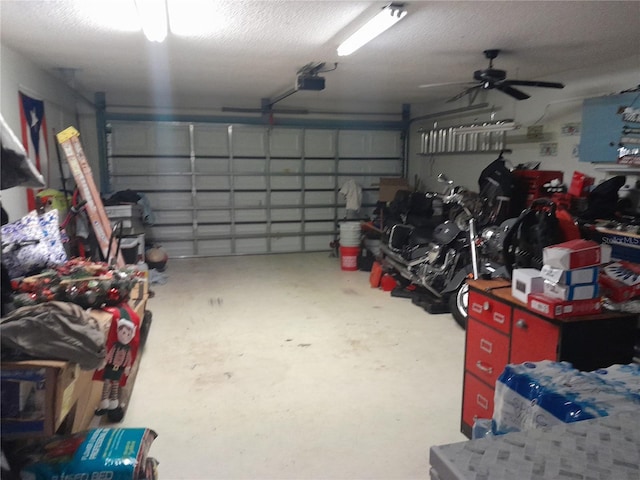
459 305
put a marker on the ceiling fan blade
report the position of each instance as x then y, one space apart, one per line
514 92
531 83
466 91
429 85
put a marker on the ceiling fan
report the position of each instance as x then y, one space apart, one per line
491 78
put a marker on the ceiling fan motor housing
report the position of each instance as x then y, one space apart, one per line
489 74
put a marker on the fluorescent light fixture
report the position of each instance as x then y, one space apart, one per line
389 16
153 17
502 126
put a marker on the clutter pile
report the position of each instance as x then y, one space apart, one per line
83 282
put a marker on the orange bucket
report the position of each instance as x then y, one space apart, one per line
349 258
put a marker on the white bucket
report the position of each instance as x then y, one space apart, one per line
350 234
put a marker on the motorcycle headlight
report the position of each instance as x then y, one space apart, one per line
493 237
489 234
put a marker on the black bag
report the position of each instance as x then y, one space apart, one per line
603 200
537 227
497 187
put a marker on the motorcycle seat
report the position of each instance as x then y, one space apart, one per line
421 235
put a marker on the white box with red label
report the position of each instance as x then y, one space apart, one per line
576 254
556 308
525 281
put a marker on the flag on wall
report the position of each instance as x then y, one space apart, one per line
34 136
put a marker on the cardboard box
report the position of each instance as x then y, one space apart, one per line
576 254
620 281
556 308
389 186
570 277
38 395
570 292
525 281
623 246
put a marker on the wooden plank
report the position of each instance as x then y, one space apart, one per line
69 140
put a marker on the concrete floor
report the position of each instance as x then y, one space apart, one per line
286 367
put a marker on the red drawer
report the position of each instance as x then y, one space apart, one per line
477 401
492 312
533 338
487 351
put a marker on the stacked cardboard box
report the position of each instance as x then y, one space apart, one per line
567 285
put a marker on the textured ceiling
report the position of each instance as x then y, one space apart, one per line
254 48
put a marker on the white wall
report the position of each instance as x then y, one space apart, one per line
551 108
63 108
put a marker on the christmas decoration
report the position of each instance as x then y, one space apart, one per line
83 282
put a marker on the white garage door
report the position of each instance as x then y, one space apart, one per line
237 189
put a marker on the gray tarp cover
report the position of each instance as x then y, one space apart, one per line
55 330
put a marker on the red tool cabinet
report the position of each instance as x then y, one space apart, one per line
501 330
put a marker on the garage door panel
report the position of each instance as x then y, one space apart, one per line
257 215
318 242
172 139
130 138
211 140
320 226
211 165
251 245
386 144
249 199
373 166
318 213
214 199
214 231
174 232
231 189
178 216
293 227
328 182
364 143
320 143
286 142
319 166
286 244
285 165
160 200
250 183
144 166
211 182
319 198
214 247
248 141
251 228
285 198
173 183
213 216
286 214
288 182
249 165
140 183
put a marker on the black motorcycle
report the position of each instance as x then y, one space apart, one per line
432 260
